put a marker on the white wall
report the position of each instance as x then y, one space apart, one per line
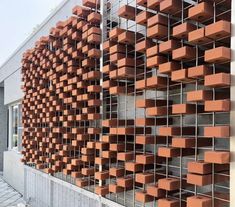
13 171
12 88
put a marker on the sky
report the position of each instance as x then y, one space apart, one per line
18 19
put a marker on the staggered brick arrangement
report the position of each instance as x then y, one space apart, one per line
145 120
62 97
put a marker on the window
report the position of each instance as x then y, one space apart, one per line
15 127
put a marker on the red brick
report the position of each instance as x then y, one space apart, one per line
201 11
218 29
218 55
199 167
127 12
217 105
169 184
168 202
181 31
199 201
143 197
199 180
217 157
218 80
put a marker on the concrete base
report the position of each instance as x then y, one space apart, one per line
42 189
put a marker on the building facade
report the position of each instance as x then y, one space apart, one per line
123 103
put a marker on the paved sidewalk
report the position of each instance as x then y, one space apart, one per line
9 197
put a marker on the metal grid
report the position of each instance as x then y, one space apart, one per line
174 93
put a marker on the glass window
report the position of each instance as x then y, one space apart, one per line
15 123
14 126
20 127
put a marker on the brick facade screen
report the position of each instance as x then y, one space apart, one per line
135 109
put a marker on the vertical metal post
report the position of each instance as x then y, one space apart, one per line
103 27
232 113
135 68
213 121
51 187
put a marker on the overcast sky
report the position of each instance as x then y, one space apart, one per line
18 18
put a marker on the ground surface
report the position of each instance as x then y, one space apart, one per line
9 197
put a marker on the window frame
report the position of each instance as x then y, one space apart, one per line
11 146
